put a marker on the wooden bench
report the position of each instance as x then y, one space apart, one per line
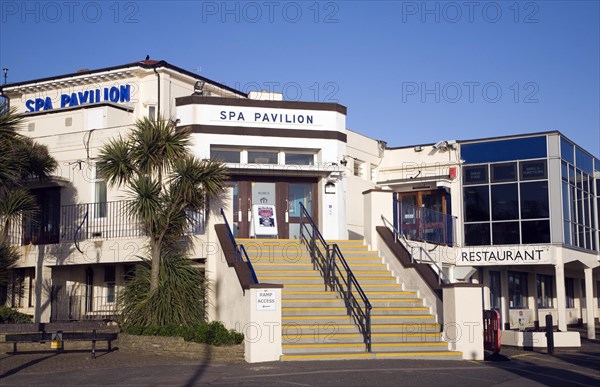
42 333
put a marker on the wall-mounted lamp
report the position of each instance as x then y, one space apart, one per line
344 162
330 188
418 148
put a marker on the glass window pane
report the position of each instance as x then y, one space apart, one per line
299 159
475 175
534 200
504 172
583 161
536 231
504 150
476 203
566 151
299 193
566 232
225 156
565 201
255 157
505 202
505 233
477 234
564 171
533 170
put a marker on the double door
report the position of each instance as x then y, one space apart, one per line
285 195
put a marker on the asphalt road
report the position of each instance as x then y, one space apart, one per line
515 368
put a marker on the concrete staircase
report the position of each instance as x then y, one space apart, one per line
315 323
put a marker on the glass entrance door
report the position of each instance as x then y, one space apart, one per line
298 193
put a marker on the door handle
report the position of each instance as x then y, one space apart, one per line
287 211
249 210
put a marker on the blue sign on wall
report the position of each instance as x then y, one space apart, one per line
109 94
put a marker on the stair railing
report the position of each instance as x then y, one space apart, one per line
401 238
325 257
240 251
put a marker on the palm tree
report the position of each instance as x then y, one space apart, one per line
21 159
165 182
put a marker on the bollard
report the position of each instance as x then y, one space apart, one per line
549 334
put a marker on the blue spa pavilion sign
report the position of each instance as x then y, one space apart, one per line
115 94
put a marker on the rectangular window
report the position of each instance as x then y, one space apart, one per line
504 150
152 112
475 175
299 159
128 272
535 231
100 195
477 203
477 234
570 292
504 172
109 280
505 233
505 204
495 291
566 151
358 168
225 155
545 291
534 200
257 157
517 290
533 170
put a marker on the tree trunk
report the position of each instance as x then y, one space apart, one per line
155 247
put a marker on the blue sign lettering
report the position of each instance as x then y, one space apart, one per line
113 94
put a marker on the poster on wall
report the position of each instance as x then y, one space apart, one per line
264 220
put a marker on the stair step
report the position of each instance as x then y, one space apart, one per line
409 346
432 355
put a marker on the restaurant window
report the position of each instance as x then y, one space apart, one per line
517 290
545 291
299 159
109 281
495 290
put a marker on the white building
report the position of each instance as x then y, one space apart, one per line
518 214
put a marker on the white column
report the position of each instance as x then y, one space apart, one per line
589 303
561 296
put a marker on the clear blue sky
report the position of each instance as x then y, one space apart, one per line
409 72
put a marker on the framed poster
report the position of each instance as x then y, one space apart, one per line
264 220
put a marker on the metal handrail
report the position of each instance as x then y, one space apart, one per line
240 250
399 237
334 276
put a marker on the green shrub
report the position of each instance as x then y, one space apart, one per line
12 316
213 333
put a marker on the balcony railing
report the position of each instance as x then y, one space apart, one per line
88 303
423 224
77 222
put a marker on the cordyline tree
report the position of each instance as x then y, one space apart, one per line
166 184
21 160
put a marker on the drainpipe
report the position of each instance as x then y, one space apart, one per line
158 98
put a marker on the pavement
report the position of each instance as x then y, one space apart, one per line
573 367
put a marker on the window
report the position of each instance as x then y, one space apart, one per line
109 280
534 200
504 172
152 112
299 159
570 292
535 231
99 195
505 205
358 168
505 233
477 234
43 226
128 272
495 290
476 203
225 155
517 290
504 150
533 170
545 292
475 175
258 157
